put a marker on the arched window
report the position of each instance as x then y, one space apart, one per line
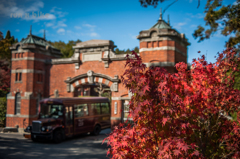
17 103
38 100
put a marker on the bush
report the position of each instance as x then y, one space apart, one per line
3 110
181 115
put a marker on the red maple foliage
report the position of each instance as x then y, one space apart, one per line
5 76
181 115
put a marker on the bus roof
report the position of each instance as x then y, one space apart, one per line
68 100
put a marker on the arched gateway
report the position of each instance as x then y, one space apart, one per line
93 69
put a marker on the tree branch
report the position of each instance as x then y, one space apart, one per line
169 6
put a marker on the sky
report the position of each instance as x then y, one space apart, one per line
116 20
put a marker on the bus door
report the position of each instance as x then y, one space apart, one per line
105 115
69 120
82 121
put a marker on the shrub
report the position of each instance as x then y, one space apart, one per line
181 115
3 110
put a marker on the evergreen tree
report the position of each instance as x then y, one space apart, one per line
8 35
66 49
117 50
136 49
128 51
1 35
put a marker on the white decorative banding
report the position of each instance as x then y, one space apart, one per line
77 83
28 58
100 80
116 118
21 116
27 71
162 64
161 48
83 80
106 82
121 98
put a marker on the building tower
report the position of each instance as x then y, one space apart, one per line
31 62
163 46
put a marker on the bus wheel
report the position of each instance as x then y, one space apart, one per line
57 136
96 130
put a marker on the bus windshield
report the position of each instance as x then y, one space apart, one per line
51 111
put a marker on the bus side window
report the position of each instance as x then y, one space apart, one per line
81 110
96 108
105 108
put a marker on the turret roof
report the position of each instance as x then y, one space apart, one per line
32 39
161 24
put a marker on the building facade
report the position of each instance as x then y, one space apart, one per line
38 71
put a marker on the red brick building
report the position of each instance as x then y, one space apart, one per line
38 71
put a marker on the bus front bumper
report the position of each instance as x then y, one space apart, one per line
41 136
27 135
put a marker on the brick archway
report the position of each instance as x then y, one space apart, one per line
90 89
91 78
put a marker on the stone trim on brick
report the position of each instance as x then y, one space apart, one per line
38 50
27 71
92 78
116 118
121 98
154 39
94 43
74 59
93 56
162 33
27 95
21 51
162 48
28 58
21 116
161 64
71 80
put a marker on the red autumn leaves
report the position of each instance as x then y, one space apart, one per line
178 115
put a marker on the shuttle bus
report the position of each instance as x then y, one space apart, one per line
65 117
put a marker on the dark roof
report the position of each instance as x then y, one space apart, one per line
68 99
33 39
161 24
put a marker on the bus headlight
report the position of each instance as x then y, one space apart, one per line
49 127
46 128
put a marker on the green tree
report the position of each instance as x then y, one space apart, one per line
224 18
66 49
117 51
8 35
128 51
5 52
136 49
3 110
1 35
218 17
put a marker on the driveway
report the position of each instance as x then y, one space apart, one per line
15 146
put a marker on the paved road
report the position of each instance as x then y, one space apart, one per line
15 146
